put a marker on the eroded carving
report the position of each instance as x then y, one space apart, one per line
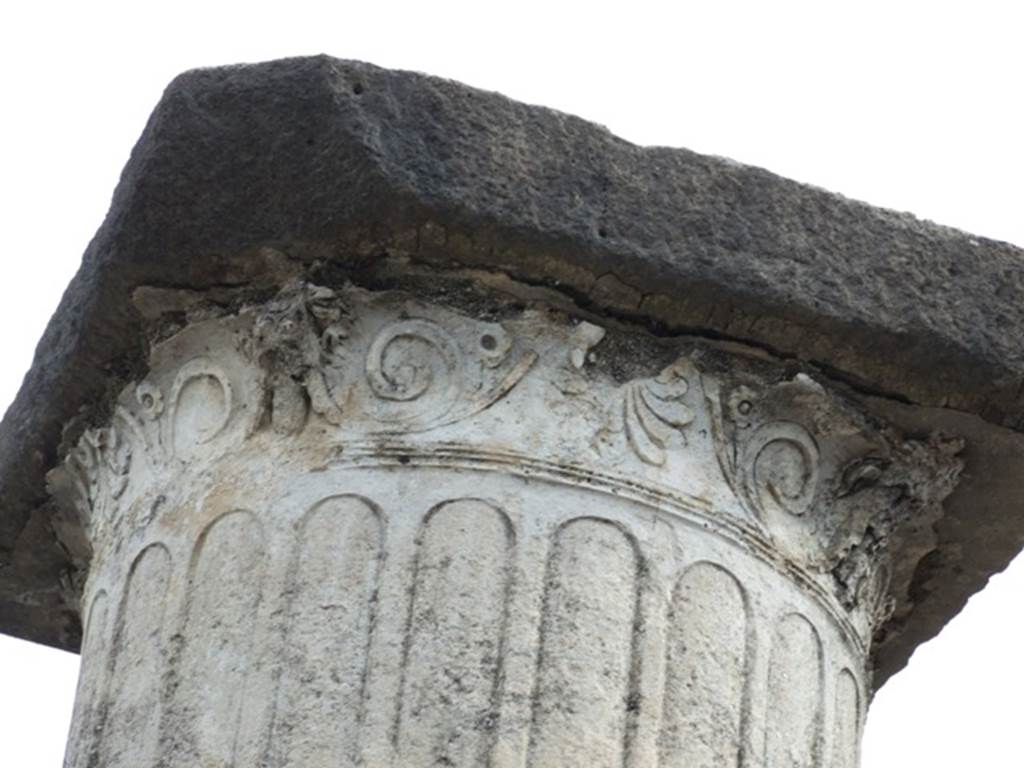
95 474
421 372
831 490
299 340
780 469
569 636
771 460
425 375
834 491
585 336
429 361
654 411
888 501
150 399
202 400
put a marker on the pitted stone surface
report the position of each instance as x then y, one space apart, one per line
247 177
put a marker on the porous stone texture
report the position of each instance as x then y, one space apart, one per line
389 422
443 525
325 170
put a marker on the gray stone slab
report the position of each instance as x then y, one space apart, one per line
246 176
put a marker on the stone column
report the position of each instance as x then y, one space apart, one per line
446 526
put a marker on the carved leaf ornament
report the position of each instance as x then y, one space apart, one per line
653 410
379 368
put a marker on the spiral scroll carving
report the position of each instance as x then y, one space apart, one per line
781 467
415 367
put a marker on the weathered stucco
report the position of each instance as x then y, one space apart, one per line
352 527
331 172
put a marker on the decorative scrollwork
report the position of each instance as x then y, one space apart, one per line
201 405
150 399
653 411
410 359
426 376
781 470
828 488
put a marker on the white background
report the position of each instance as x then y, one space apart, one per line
915 106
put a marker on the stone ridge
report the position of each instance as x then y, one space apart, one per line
337 164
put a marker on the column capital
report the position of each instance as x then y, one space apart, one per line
470 525
452 373
316 268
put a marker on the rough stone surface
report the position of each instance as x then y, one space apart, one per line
248 176
355 527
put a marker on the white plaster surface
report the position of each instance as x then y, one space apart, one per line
348 528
